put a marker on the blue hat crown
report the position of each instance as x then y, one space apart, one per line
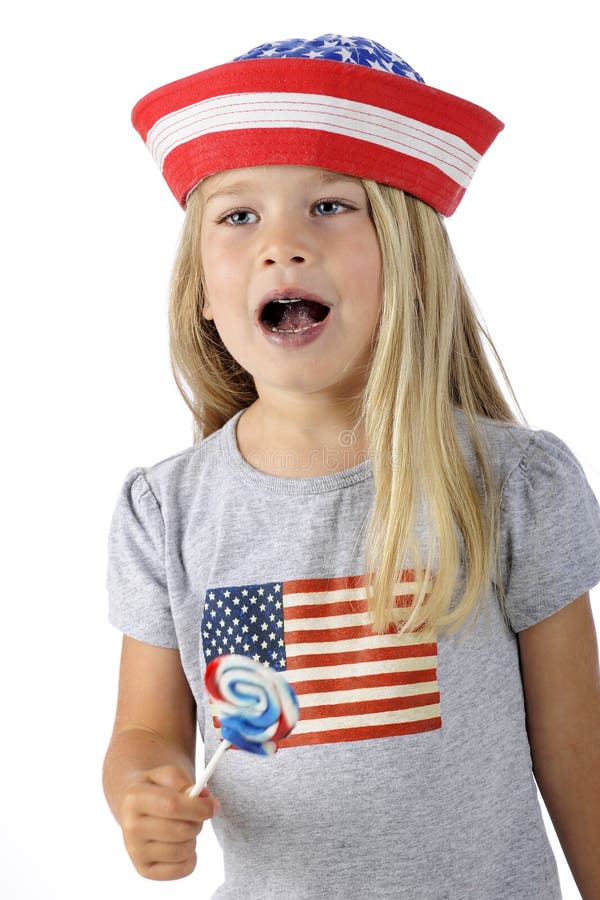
358 50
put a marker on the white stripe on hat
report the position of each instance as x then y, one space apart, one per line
234 112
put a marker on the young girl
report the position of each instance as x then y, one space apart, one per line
360 510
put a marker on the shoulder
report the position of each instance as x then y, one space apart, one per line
174 478
521 453
505 444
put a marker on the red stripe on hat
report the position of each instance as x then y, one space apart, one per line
187 164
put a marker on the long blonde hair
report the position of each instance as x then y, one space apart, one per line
427 360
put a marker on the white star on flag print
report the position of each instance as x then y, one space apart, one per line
351 683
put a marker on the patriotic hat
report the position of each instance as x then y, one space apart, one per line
345 104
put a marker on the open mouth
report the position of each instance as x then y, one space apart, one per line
292 315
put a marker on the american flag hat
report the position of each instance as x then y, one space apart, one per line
341 103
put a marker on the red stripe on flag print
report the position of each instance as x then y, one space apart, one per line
367 681
360 734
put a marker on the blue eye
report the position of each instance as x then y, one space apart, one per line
330 207
239 217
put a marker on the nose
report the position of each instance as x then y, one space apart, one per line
286 243
283 259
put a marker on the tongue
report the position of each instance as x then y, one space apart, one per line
297 315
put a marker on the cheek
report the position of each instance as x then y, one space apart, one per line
365 268
225 287
215 267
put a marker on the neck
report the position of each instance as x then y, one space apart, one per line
301 437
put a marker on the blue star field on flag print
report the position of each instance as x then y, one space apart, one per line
247 620
336 47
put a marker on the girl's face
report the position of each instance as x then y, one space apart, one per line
290 232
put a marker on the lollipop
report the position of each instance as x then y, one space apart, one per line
255 704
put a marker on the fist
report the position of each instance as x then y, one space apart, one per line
160 823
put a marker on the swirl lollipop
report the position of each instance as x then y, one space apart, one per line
255 704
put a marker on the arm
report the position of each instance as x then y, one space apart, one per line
561 681
150 763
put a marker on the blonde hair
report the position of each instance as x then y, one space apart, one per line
427 359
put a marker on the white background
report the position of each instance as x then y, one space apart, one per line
89 232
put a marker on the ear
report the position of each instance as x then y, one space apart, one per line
206 310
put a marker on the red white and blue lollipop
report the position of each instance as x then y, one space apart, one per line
255 704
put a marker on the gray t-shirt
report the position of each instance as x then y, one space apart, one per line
409 774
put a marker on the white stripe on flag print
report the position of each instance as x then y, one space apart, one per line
350 118
353 684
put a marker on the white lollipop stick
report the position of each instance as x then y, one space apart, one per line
202 781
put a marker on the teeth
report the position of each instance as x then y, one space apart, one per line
294 330
287 300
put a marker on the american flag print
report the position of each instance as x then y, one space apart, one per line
355 49
352 684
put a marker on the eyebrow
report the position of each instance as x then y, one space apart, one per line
243 184
327 177
228 191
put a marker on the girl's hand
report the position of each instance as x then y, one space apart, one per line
160 823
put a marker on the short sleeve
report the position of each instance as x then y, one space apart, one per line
136 581
550 532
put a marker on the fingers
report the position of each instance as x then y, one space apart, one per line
167 831
162 860
167 862
160 823
164 803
